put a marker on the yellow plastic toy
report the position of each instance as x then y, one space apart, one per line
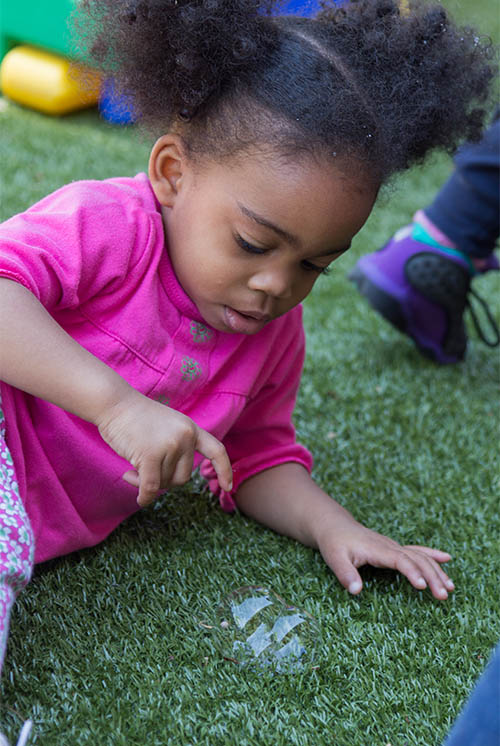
47 82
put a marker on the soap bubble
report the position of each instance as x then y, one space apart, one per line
257 627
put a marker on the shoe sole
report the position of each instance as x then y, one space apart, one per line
388 307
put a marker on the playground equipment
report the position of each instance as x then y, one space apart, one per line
47 82
41 23
39 68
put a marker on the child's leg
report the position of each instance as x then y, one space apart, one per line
16 539
420 281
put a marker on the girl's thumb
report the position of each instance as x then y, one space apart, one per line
132 478
347 574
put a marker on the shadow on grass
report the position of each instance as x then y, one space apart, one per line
175 518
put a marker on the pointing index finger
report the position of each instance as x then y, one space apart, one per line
214 450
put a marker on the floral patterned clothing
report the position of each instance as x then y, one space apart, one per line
16 539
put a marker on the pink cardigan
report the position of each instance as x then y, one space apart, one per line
94 254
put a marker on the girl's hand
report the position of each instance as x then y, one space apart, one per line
347 545
286 499
160 443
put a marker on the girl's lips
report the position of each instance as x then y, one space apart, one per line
242 323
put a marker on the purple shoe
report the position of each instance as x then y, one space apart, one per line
422 289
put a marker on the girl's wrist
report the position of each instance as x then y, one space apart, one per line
330 519
116 395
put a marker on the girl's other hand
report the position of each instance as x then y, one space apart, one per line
160 443
350 545
286 499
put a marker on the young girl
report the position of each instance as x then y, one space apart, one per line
151 324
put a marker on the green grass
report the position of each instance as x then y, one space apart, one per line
107 646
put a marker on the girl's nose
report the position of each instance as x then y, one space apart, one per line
276 282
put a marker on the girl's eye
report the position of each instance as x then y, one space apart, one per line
248 247
252 249
314 268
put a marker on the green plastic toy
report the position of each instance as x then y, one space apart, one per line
39 67
42 23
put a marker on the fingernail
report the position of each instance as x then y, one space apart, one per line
450 584
421 583
355 587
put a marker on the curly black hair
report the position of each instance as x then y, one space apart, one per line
371 80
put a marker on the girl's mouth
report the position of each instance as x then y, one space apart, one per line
245 323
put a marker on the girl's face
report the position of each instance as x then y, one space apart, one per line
249 238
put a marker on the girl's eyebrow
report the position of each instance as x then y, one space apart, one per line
289 237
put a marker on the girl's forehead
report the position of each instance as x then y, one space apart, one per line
302 198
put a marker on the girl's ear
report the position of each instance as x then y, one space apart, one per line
167 167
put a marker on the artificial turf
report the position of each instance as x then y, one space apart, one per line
108 645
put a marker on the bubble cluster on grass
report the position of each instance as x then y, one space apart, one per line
256 627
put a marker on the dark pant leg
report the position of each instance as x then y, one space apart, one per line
466 209
479 722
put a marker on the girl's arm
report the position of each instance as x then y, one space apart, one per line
286 499
39 357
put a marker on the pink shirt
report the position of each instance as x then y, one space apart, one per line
94 254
